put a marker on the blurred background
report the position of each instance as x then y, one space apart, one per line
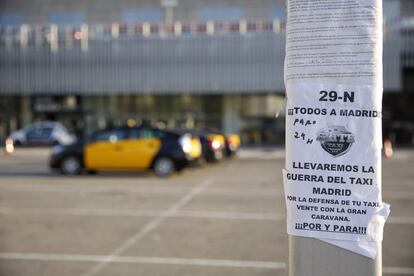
177 63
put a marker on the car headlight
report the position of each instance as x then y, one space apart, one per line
185 142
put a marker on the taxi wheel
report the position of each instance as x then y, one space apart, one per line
70 166
164 167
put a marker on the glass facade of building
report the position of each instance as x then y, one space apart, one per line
218 64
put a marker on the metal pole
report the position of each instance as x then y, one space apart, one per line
313 257
307 67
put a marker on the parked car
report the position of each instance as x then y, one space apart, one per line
143 147
42 134
212 143
232 144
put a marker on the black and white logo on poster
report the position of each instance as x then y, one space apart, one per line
336 140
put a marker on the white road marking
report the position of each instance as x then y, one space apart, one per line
261 154
400 220
398 270
156 213
150 227
92 189
140 213
167 261
266 192
141 260
248 192
231 215
397 195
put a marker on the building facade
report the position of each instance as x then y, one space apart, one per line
184 63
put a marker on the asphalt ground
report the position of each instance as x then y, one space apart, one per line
221 219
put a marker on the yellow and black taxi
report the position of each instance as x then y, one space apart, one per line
142 148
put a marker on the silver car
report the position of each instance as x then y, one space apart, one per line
42 134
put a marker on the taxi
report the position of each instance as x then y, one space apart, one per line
218 144
128 148
232 144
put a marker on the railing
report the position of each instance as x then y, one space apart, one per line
67 36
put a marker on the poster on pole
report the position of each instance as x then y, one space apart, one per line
333 79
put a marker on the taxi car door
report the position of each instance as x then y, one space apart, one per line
105 150
140 148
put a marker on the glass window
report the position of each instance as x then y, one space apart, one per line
147 133
278 12
11 19
159 133
39 133
112 136
229 13
134 133
138 16
66 18
137 133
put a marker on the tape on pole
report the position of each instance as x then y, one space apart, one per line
333 79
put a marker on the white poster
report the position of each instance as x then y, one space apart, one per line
333 77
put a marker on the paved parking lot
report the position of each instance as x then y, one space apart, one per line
222 219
